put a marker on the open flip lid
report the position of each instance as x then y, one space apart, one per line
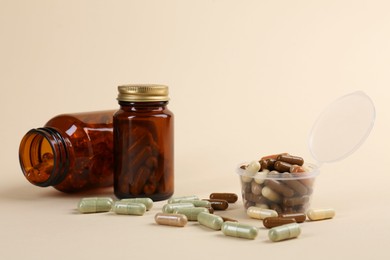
342 127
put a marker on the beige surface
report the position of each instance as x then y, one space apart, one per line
246 79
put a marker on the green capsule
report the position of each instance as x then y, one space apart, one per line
191 213
146 201
169 208
284 232
182 198
210 220
236 229
129 208
95 204
197 203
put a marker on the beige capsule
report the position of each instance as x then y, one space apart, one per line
320 214
260 213
171 219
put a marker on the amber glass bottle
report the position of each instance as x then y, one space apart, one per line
143 143
72 152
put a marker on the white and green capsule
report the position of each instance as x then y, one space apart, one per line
146 201
236 229
170 208
210 220
129 208
284 232
95 204
182 199
191 213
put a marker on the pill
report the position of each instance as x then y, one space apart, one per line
236 229
129 208
284 232
320 214
197 203
210 220
294 184
182 198
191 213
218 204
299 217
290 159
252 167
260 177
170 219
256 188
291 202
282 166
146 201
169 208
260 213
267 164
271 222
270 194
94 205
228 219
229 197
210 209
273 156
279 187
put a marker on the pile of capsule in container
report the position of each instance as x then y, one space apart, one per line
179 210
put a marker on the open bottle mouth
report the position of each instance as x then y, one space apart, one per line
39 154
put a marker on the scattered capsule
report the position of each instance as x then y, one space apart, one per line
218 204
182 198
229 197
299 217
191 213
170 219
94 205
260 213
284 232
197 203
271 222
236 229
129 208
169 208
320 214
146 201
210 220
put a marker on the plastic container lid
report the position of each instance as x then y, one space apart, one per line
342 127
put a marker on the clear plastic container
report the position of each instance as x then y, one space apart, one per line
338 132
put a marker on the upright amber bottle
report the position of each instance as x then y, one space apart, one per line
143 143
72 152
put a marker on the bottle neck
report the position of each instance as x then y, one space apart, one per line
143 106
44 156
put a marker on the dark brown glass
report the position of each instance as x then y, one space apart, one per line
72 152
143 150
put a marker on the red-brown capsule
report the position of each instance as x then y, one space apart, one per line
229 197
282 166
271 222
218 204
279 187
299 217
291 159
267 164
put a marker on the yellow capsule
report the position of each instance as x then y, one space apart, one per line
260 213
320 214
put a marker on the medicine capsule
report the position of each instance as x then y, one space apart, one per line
252 167
182 198
284 232
191 213
282 166
170 219
146 201
236 229
271 222
210 220
129 208
197 203
320 214
290 159
299 217
94 205
218 204
260 213
169 208
270 194
229 197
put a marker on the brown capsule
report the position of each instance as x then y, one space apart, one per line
218 204
282 166
229 197
267 164
291 202
210 209
255 198
299 217
271 222
273 156
291 159
279 187
294 184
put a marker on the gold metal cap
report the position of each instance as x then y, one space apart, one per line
143 93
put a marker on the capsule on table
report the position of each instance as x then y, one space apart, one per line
197 203
218 204
129 208
299 217
271 222
146 201
191 213
210 220
236 229
260 213
320 214
95 205
229 197
284 232
182 198
169 208
170 219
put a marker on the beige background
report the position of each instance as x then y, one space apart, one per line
247 78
